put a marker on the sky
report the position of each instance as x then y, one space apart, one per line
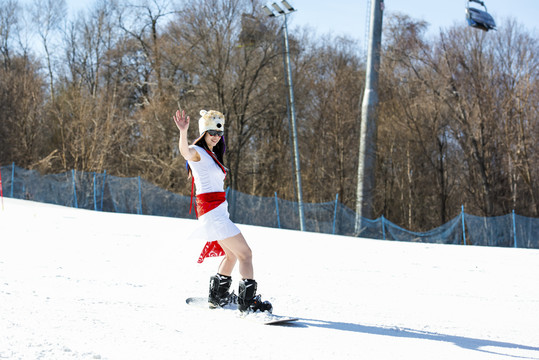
348 17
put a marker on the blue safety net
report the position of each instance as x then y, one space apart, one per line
104 192
448 233
526 232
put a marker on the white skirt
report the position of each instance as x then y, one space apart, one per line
215 225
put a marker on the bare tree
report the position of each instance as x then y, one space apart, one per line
21 96
329 98
91 94
231 77
9 17
48 17
518 67
140 20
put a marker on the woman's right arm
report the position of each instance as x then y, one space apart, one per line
182 122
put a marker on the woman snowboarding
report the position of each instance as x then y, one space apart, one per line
223 238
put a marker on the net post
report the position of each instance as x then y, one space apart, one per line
383 227
277 208
335 213
103 189
12 177
95 195
463 226
1 191
514 229
139 210
74 189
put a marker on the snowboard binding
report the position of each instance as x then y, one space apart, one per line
219 295
248 301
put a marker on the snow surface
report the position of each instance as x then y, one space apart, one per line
78 284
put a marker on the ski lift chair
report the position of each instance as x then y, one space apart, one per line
479 19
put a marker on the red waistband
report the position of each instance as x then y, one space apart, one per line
208 201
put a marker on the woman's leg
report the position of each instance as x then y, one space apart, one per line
236 248
228 262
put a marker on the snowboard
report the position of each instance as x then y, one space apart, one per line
264 318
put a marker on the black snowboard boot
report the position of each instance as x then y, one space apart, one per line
248 301
219 295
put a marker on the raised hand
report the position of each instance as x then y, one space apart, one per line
182 121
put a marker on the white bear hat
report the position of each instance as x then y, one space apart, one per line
211 120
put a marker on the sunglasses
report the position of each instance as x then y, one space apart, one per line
215 133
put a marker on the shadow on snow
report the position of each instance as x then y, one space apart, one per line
461 341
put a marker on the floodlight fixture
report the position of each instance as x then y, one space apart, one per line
278 8
288 6
267 10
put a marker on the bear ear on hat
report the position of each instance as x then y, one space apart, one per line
203 112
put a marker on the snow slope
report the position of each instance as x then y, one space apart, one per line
78 284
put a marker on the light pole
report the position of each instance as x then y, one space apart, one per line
367 138
278 11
